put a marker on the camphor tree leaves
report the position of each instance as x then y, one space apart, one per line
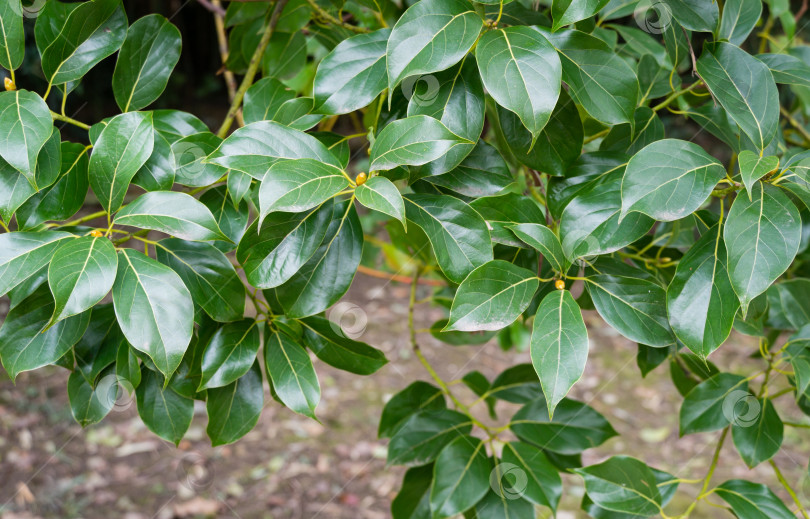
525 168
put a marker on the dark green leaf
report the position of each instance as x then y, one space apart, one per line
329 343
713 404
752 500
542 483
293 377
421 437
695 15
753 167
623 484
460 477
566 12
12 37
483 172
191 168
414 398
264 98
230 353
164 412
412 141
23 254
294 186
542 239
757 431
171 212
234 410
739 19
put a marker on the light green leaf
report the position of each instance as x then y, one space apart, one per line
290 370
209 276
145 62
752 500
124 145
154 309
762 237
543 240
623 484
230 353
753 167
559 346
27 125
669 180
744 86
12 37
492 297
787 69
294 186
171 212
81 273
430 36
234 410
23 254
352 75
522 72
458 234
460 477
382 195
412 141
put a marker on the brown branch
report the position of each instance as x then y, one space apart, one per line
397 278
224 51
214 7
802 10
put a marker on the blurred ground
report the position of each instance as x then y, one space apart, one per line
292 467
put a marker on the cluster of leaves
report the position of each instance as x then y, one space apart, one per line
514 150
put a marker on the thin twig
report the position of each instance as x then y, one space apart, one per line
214 6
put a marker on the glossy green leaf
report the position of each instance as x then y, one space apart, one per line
623 484
173 213
145 62
90 32
788 306
234 410
669 179
542 239
328 273
382 195
757 432
264 98
154 309
566 12
352 75
745 87
483 172
329 343
701 302
633 306
163 410
506 210
492 297
190 165
559 346
458 234
752 500
23 254
495 506
420 438
762 237
753 167
26 341
522 72
543 485
713 404
460 477
574 428
286 242
28 126
590 222
124 145
739 19
230 353
413 499
414 398
90 405
98 347
294 186
209 276
412 141
599 80
694 15
81 273
787 69
430 36
252 149
12 37
293 377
